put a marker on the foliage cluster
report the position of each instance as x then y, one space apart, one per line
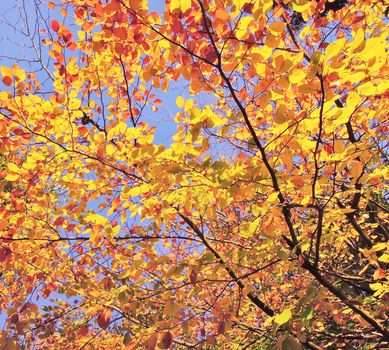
261 225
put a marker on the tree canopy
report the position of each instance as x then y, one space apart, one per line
260 224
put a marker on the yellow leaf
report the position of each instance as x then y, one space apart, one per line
174 4
267 5
12 167
81 35
380 246
358 43
305 32
6 71
384 258
74 103
283 317
180 102
296 76
273 197
305 200
185 5
367 89
110 149
125 274
375 286
301 5
19 74
334 48
260 53
243 32
12 177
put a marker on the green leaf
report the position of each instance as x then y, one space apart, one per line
308 313
207 257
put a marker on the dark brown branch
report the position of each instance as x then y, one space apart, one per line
318 141
339 294
318 235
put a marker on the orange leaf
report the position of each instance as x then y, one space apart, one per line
379 274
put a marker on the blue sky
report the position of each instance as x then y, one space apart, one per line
15 47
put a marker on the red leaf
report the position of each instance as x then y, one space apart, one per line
19 132
328 149
211 340
83 330
59 221
55 25
104 318
67 36
99 10
193 277
5 253
119 48
151 342
248 8
14 318
121 33
79 12
166 341
301 260
7 80
221 327
211 56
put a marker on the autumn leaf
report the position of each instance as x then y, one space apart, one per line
151 342
193 277
104 318
194 173
7 80
55 25
166 340
379 274
283 317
